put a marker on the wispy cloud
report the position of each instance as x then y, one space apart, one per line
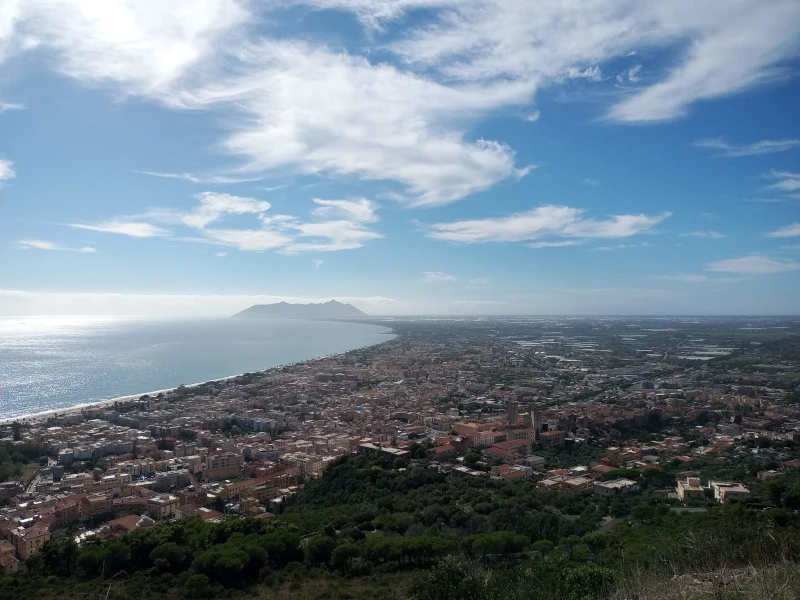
136 229
297 106
619 247
561 244
6 169
318 263
6 106
591 182
437 277
706 235
549 221
534 116
785 181
757 148
336 224
792 230
765 200
755 264
43 245
205 179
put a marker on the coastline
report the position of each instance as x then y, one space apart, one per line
79 408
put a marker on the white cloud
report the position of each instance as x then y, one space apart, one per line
214 206
203 178
5 106
542 222
38 244
633 73
755 264
254 240
330 236
590 73
316 112
725 49
786 181
293 106
754 149
337 224
146 46
360 210
296 107
591 182
6 169
437 277
707 235
765 200
792 230
136 229
534 116
561 244
318 263
221 254
43 245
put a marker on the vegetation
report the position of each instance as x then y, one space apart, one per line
434 536
14 458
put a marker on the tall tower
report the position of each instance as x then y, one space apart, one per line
536 420
513 412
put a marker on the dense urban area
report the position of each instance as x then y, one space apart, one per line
570 458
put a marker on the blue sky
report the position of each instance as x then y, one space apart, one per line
408 156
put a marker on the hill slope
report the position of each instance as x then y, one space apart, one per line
284 310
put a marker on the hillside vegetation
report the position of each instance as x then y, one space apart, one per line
369 530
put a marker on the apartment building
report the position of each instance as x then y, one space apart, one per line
223 466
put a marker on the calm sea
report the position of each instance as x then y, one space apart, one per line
51 363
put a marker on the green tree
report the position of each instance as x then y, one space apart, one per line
451 579
643 512
343 555
318 549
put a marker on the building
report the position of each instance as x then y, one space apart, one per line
528 434
445 452
522 447
503 455
690 489
95 504
162 506
615 487
724 490
578 485
533 461
513 412
28 541
223 466
551 438
169 480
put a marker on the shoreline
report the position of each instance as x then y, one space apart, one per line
79 408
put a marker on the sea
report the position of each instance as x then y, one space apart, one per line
53 363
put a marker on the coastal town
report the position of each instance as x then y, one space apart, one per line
694 411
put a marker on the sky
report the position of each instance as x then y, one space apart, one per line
194 157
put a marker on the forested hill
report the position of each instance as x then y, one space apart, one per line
383 529
284 310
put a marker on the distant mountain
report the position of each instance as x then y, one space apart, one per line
284 310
